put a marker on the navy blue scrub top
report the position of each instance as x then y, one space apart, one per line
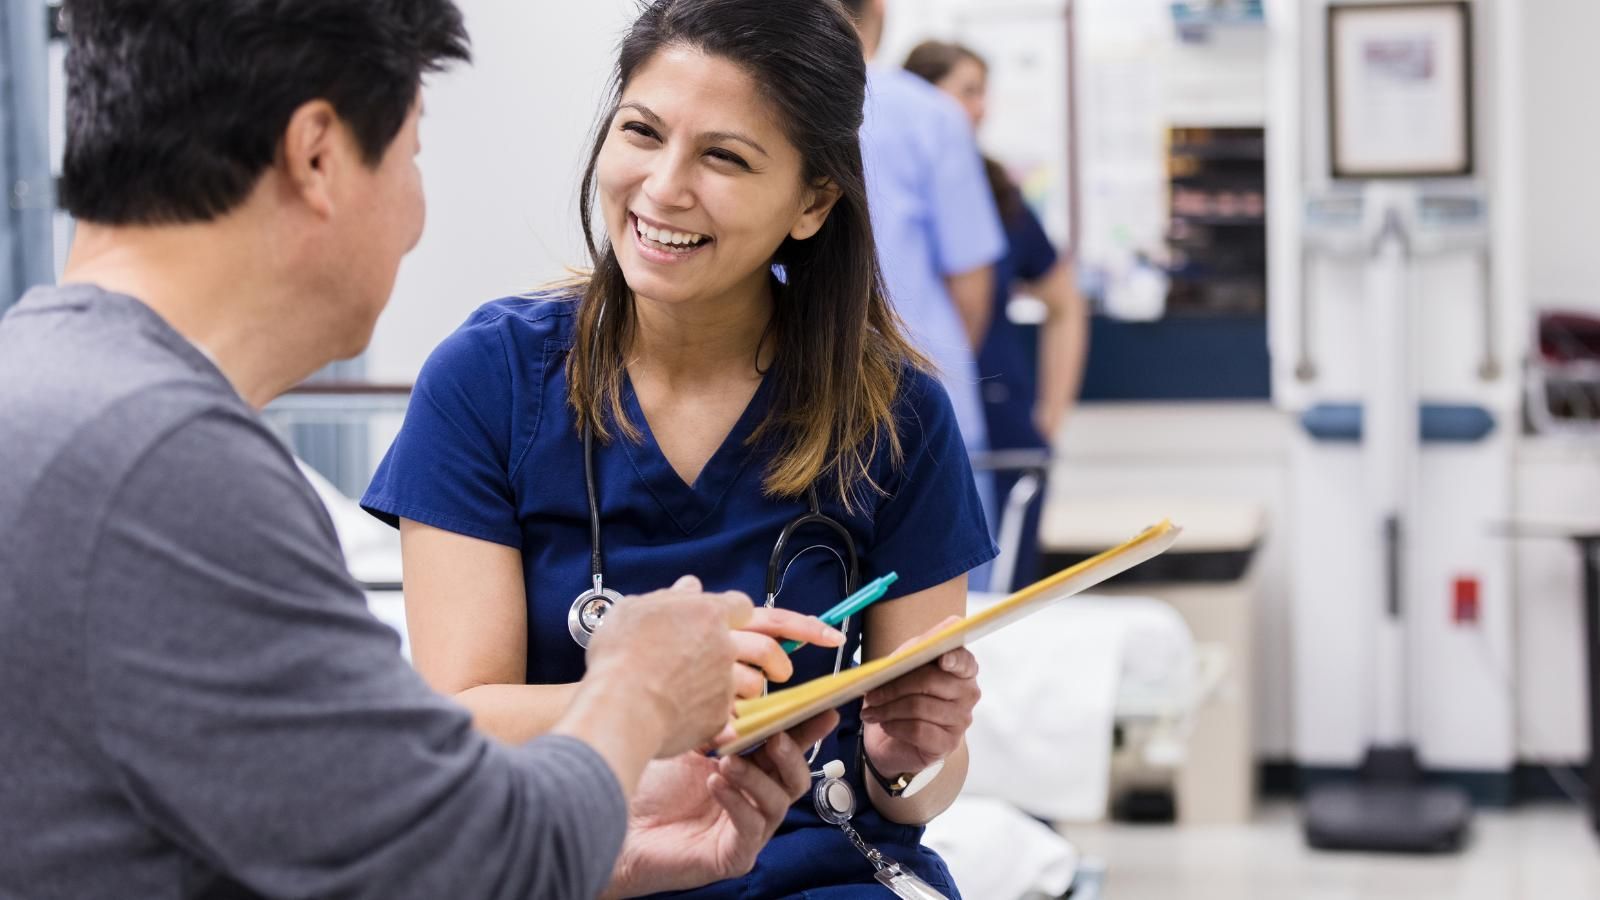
1008 362
490 449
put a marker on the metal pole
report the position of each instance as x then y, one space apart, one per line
1588 545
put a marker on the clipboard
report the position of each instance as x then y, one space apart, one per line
759 718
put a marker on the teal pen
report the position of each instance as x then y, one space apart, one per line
851 605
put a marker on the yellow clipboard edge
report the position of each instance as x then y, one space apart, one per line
759 718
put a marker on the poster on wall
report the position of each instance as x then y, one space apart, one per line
1400 89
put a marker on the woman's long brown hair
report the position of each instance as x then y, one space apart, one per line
840 350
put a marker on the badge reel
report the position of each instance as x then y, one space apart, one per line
835 801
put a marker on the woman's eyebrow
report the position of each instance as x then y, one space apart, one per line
714 136
645 111
717 136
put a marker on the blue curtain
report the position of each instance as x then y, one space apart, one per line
27 190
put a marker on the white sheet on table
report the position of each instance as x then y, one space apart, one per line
997 853
1041 736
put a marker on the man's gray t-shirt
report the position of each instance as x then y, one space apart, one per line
194 700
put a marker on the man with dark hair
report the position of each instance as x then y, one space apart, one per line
196 700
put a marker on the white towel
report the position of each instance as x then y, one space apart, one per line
997 853
1041 735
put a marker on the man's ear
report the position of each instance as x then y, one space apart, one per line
819 200
312 155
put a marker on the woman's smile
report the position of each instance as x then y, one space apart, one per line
663 244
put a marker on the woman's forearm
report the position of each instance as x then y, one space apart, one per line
930 801
517 713
1063 349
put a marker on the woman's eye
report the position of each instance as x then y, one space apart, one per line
727 157
641 129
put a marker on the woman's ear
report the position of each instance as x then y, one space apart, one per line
819 201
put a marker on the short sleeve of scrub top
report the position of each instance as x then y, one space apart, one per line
931 527
1031 256
452 464
490 449
966 224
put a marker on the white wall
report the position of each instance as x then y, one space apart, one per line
1562 180
1556 480
503 146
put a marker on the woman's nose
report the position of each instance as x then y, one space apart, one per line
669 184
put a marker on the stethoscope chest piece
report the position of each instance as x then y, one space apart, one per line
589 610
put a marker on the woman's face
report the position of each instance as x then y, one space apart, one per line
698 184
968 82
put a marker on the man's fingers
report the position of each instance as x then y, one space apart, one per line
727 735
747 682
749 824
767 792
763 653
812 730
788 625
738 607
784 760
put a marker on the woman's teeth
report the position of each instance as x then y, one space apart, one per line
675 241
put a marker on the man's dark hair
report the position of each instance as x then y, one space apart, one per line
176 107
855 7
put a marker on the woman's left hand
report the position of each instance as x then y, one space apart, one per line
920 718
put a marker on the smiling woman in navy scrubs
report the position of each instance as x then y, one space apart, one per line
734 355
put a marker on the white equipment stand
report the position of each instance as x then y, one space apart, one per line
1390 808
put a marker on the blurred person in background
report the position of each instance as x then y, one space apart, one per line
938 231
1026 398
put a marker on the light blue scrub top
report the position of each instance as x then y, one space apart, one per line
933 215
490 449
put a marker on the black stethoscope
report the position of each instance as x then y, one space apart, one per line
589 609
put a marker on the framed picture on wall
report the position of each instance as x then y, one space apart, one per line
1400 89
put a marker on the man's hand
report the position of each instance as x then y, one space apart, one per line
760 657
696 820
675 647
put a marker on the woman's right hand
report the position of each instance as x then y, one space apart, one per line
758 658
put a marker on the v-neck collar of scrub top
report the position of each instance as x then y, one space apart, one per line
688 506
